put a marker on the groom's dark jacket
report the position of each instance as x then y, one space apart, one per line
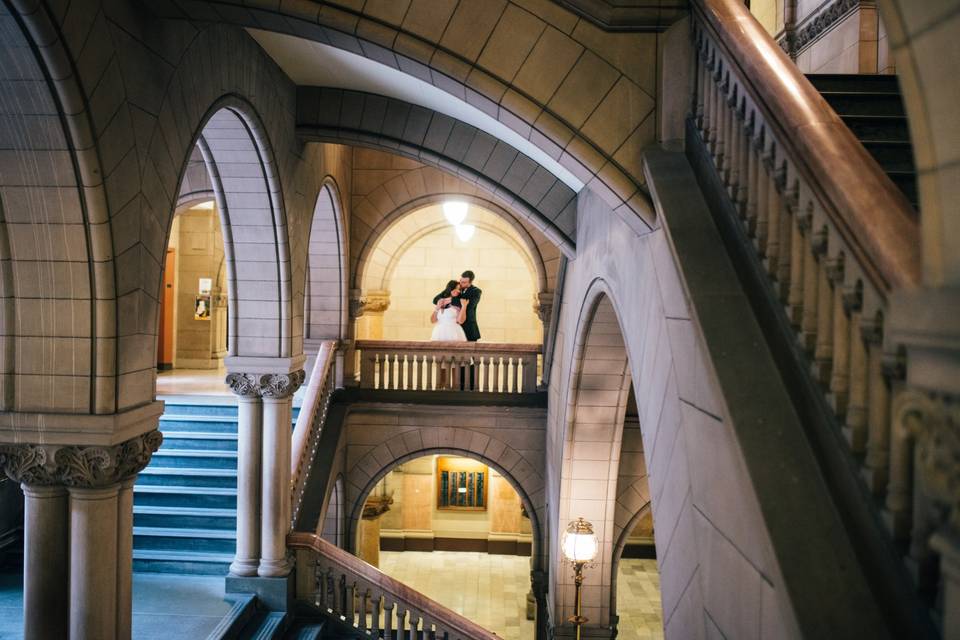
470 328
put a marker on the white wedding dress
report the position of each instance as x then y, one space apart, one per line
447 329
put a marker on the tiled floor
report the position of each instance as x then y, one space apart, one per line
638 600
488 589
164 606
491 590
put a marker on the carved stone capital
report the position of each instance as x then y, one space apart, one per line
544 307
371 302
266 385
78 466
934 423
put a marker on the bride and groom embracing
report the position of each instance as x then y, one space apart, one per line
455 311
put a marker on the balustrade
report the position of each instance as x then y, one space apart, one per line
449 366
358 595
834 238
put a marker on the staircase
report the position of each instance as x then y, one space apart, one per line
872 107
185 501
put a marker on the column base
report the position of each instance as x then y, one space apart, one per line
273 568
276 594
245 568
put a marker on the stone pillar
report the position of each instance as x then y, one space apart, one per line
44 562
263 468
368 309
125 559
93 562
368 546
87 536
249 426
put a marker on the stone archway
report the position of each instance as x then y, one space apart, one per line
325 293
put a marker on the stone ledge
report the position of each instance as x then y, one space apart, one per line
79 429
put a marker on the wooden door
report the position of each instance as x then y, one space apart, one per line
166 328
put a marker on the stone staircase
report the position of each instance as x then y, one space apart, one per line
871 105
184 505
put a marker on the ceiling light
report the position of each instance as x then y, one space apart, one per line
465 231
455 212
206 205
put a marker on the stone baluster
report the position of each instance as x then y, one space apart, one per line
782 259
823 343
746 190
798 250
758 182
840 368
78 534
811 280
878 402
735 133
855 414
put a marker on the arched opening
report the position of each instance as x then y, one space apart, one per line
325 293
604 480
418 251
455 527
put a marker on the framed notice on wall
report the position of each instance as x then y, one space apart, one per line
462 484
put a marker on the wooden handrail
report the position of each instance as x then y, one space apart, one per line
871 213
479 347
403 593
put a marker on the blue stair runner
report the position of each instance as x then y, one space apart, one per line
185 501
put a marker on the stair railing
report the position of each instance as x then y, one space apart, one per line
832 235
310 421
369 601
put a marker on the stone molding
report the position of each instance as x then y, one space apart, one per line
78 466
266 385
811 29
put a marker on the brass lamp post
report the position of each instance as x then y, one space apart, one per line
579 547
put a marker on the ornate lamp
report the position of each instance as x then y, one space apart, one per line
579 544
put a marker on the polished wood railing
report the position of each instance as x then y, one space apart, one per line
448 366
831 234
371 602
310 422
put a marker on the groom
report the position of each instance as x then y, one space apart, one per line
471 293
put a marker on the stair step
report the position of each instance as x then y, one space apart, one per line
192 562
243 609
160 476
187 517
177 539
305 631
200 405
878 128
196 458
210 424
206 440
270 625
854 82
184 496
860 103
891 155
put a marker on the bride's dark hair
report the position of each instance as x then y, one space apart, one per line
448 290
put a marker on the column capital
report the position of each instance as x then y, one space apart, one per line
266 385
372 302
78 466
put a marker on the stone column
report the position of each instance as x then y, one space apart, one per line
368 546
44 562
249 428
93 562
368 309
125 558
277 391
87 536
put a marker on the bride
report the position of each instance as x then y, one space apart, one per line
449 314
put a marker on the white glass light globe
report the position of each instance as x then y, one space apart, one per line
465 231
455 212
579 542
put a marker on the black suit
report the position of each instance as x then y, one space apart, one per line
470 327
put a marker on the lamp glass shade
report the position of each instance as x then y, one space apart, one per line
579 542
464 231
455 212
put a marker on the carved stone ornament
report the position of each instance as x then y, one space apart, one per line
934 423
814 27
266 385
78 466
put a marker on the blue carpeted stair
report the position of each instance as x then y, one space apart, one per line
184 504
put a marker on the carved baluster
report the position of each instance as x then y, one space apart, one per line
733 158
396 372
878 415
403 622
745 189
375 624
899 502
823 345
388 622
717 139
364 609
855 424
404 374
481 372
756 178
840 373
798 251
768 229
723 140
811 281
780 254
699 98
712 87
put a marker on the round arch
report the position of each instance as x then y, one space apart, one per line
387 224
325 292
355 502
598 390
243 177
